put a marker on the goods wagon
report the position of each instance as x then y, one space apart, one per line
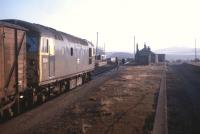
12 64
41 62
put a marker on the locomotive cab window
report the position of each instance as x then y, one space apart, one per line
71 51
45 46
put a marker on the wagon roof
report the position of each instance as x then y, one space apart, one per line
47 31
6 24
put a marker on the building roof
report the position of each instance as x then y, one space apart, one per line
145 52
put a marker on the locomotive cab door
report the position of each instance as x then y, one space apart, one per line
47 59
51 58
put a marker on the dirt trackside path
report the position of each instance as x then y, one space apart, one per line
123 103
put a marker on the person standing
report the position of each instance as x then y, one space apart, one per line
117 63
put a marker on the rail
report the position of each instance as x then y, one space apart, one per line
101 71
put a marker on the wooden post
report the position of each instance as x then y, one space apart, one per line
2 59
16 71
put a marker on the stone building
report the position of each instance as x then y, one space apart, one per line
145 56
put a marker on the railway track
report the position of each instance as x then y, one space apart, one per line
99 71
103 105
52 108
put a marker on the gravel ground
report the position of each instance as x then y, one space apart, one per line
121 101
183 95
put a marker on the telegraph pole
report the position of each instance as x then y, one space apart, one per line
195 51
104 48
97 45
134 47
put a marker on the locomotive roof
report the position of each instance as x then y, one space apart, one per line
6 24
47 31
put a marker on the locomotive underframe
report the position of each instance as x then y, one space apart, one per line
38 94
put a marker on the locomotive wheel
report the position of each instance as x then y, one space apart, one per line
11 114
41 98
62 88
7 114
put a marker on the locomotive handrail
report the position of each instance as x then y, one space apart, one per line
13 65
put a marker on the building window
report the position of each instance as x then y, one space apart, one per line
71 51
90 55
90 52
45 46
94 51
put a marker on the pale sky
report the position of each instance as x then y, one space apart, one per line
159 23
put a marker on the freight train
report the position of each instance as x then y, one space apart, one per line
37 62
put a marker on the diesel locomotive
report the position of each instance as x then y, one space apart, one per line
37 62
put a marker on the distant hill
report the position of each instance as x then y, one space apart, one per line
179 53
172 53
119 55
172 57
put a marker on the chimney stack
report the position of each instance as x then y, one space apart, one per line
137 49
149 48
145 46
